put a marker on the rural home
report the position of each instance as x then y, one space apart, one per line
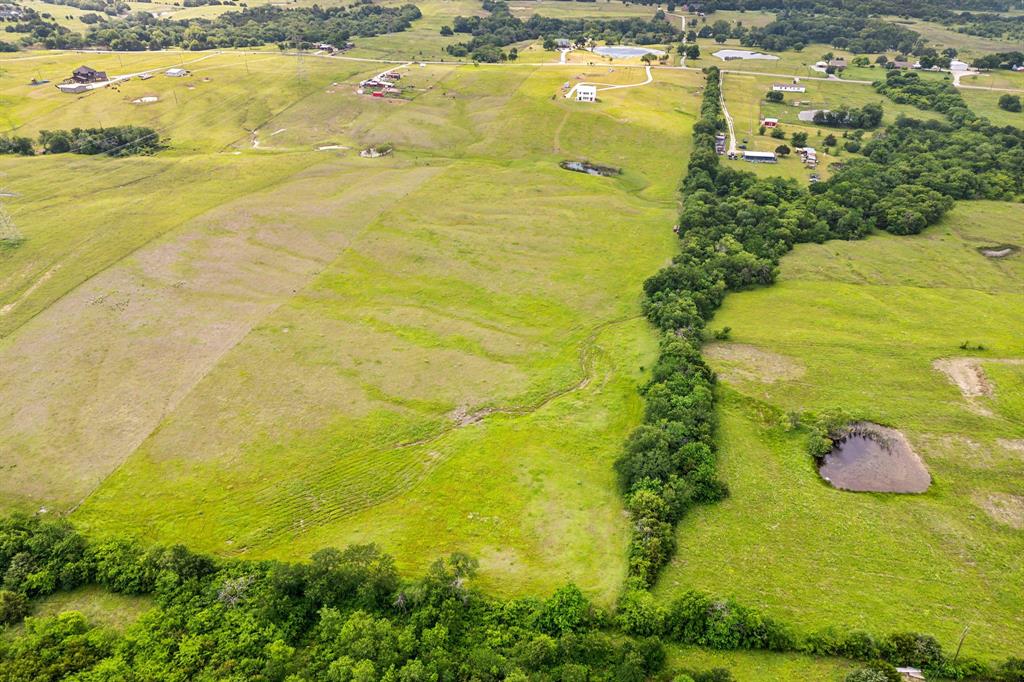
586 93
838 62
84 74
788 87
898 64
770 122
563 43
759 157
176 72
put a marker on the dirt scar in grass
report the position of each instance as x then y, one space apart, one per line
873 458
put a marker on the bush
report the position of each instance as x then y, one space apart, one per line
1010 103
13 607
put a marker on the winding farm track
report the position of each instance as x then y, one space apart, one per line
728 117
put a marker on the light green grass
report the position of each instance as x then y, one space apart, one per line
967 46
291 338
986 103
858 326
99 606
754 666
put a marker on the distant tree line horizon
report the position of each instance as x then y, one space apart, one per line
249 27
501 28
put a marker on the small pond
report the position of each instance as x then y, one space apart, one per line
624 51
872 458
590 168
726 55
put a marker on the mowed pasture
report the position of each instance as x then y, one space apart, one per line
857 326
259 348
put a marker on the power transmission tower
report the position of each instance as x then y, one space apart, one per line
9 233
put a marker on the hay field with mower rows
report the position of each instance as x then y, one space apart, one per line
260 347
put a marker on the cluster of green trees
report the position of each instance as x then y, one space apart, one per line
266 24
348 615
907 87
1010 103
999 60
250 27
116 141
997 26
17 144
500 28
867 117
345 615
845 31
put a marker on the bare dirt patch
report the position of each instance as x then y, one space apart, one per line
872 458
1016 445
1004 508
998 251
968 375
741 362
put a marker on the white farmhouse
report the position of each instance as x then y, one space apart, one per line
586 93
788 87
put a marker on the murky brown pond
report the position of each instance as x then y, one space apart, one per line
872 458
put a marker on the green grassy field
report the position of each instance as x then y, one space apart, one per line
857 326
259 349
754 666
108 609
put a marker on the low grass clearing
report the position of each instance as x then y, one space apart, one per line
313 342
986 103
967 46
864 321
99 606
754 666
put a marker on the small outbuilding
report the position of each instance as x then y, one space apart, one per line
788 87
760 157
176 72
910 674
770 122
586 93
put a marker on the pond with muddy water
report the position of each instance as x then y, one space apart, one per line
873 458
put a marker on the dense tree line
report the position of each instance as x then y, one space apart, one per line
250 27
348 615
924 9
793 30
115 141
733 229
907 87
999 60
345 615
867 117
501 28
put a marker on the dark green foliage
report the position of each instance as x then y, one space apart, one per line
13 607
694 618
867 117
116 141
907 87
833 27
39 557
300 27
16 145
1010 103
